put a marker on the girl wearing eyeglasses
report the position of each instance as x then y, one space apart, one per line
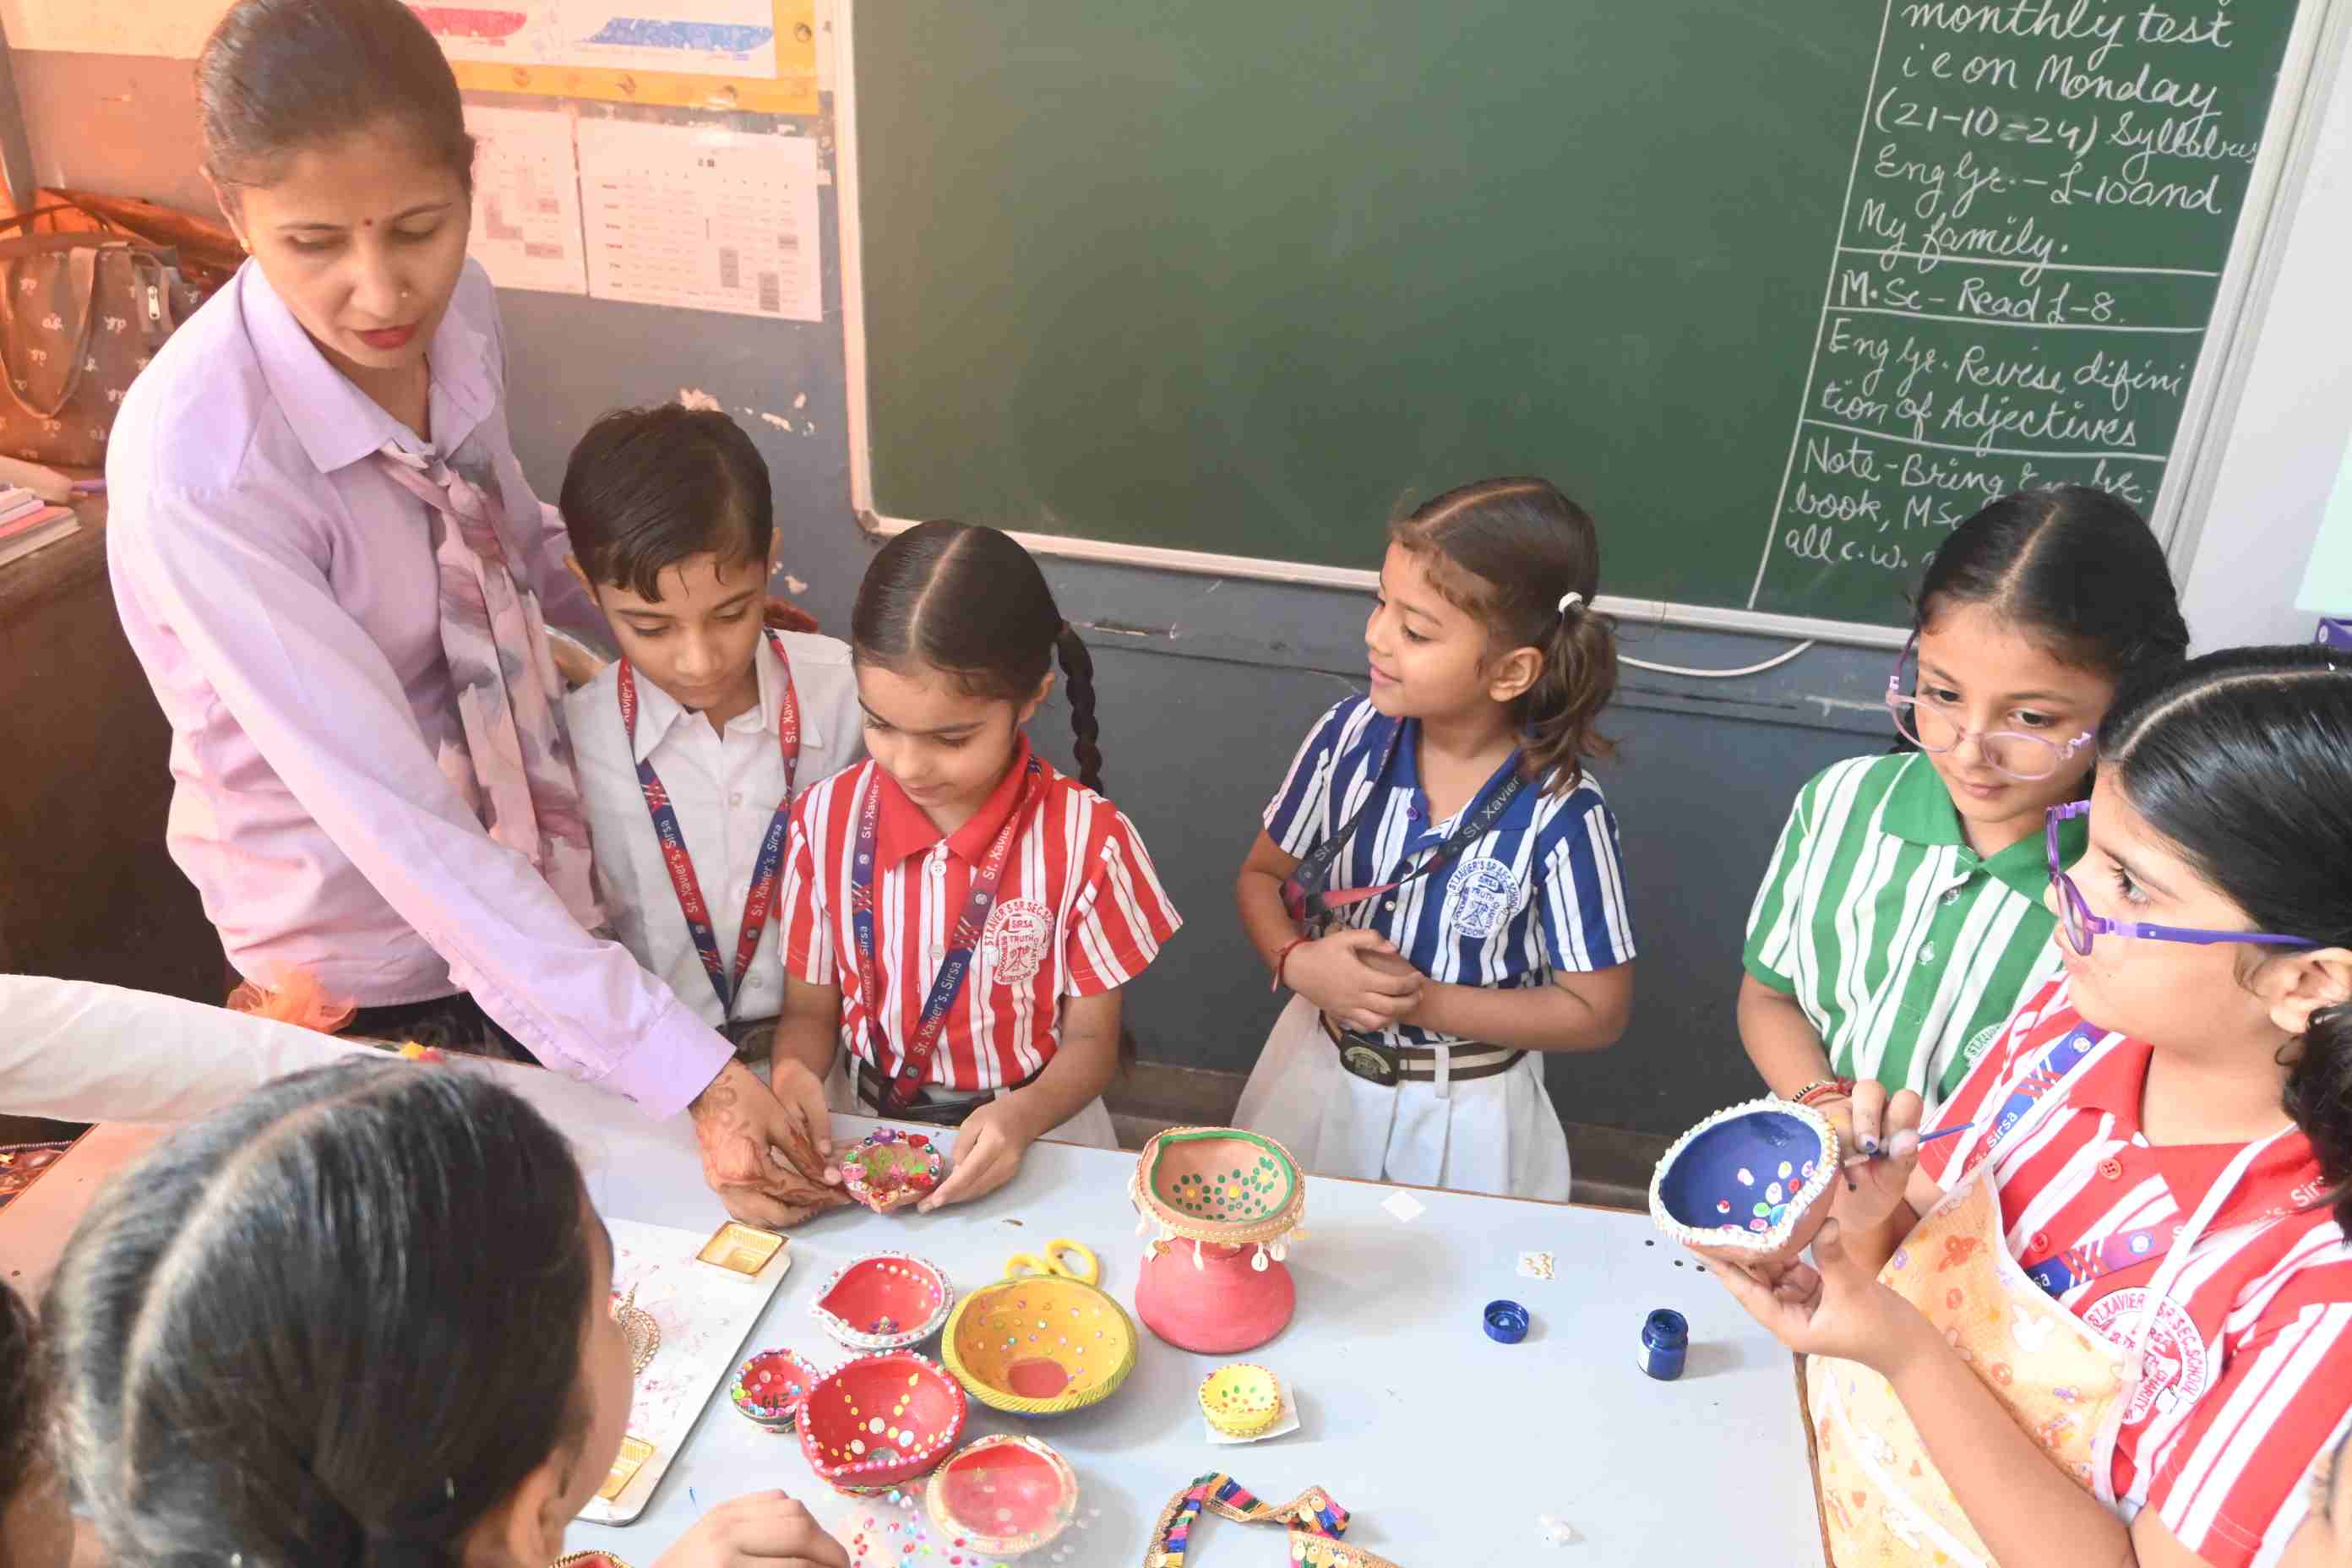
2108 1320
1901 923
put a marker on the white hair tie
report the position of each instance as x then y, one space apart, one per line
1570 602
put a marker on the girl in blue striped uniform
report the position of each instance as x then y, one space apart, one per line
1437 883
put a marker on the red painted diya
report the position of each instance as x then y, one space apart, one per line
769 1388
881 1421
892 1168
885 1301
1004 1496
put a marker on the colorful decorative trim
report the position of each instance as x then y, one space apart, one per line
1315 1524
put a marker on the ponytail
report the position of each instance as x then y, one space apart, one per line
1078 674
1578 678
2319 1098
1525 560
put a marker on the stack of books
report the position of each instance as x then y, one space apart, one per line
27 522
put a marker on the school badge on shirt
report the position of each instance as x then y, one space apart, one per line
1485 893
2178 1368
1014 940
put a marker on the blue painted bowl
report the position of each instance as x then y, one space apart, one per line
1750 1183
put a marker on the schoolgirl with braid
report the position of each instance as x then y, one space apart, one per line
960 915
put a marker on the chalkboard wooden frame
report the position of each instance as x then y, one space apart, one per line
2176 517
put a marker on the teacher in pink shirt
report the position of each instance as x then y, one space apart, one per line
326 558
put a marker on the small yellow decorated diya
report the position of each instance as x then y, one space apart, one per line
1241 1400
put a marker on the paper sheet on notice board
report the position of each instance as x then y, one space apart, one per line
705 219
723 38
527 199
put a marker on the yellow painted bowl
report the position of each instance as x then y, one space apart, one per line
1043 1342
1241 1400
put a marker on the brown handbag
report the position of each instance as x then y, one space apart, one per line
81 315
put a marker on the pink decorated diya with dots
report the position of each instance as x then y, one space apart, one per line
881 1421
1749 1185
891 1168
769 1387
1004 1496
884 1301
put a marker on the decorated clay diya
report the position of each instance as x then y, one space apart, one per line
1225 1204
1241 1400
1749 1185
769 1387
637 1325
884 1301
1043 1340
891 1168
1004 1496
589 1560
881 1421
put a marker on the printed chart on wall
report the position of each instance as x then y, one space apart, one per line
2040 204
526 230
710 220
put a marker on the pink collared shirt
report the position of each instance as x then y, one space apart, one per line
280 591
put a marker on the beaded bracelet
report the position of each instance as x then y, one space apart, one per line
1823 1088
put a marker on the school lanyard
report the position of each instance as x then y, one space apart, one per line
2081 1263
915 1065
759 903
1304 891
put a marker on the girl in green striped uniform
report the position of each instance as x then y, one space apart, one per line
1901 921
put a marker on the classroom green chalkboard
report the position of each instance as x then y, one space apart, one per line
1781 290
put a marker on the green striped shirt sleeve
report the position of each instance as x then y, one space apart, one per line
1772 920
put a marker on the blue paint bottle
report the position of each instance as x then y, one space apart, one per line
1665 1337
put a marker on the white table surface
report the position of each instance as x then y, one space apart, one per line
1446 1447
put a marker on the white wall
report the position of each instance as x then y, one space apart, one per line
2286 438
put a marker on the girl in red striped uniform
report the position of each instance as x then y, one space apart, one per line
960 916
2109 1319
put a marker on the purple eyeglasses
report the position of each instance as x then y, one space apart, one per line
2074 916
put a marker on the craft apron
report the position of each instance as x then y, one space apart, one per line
1881 1497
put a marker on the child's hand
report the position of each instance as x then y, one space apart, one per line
1873 1187
988 1152
1832 1307
1357 977
758 1527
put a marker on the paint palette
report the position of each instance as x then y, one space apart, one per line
1750 1183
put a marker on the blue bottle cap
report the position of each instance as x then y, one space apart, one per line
1665 1329
1506 1322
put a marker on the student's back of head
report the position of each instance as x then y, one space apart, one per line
342 1323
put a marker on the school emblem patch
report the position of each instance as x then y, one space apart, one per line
2178 1367
1483 893
1014 942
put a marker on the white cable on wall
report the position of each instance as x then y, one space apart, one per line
1775 662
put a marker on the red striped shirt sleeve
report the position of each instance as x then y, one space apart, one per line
2233 1487
808 944
1121 916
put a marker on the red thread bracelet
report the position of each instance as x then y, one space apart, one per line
1282 958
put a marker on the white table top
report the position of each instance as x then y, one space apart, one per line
1446 1447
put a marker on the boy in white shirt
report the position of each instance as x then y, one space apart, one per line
671 523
